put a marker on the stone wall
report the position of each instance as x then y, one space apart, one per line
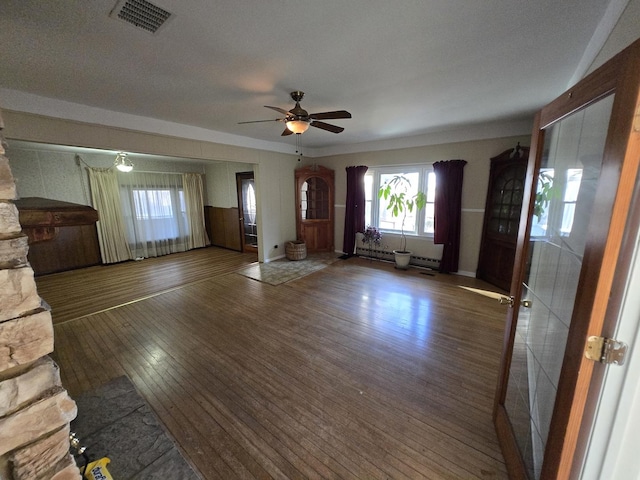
35 410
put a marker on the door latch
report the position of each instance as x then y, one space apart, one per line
605 350
509 301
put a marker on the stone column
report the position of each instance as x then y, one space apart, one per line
35 410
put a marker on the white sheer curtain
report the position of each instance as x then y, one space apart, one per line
155 213
105 196
194 201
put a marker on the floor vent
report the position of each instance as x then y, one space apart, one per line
140 13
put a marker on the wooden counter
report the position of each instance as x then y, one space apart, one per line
62 235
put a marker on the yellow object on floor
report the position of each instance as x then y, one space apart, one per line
98 470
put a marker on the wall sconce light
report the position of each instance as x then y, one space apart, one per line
122 163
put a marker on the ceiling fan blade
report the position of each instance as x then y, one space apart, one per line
260 121
286 132
330 115
278 109
327 126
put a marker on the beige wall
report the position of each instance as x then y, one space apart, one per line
476 175
273 171
221 183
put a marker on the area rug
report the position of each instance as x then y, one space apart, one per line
115 421
283 271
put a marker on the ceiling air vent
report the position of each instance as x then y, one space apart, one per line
141 13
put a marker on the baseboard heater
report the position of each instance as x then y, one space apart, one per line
387 255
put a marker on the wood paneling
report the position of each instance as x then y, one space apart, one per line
369 373
223 227
70 248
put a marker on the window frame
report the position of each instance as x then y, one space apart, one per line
372 202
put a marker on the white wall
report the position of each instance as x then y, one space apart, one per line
48 172
221 183
613 448
476 177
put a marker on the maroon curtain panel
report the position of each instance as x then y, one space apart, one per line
354 214
448 211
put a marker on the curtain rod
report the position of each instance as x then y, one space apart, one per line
163 173
79 160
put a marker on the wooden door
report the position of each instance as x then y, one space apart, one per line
314 212
248 211
502 217
575 239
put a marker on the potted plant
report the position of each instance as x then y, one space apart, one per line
400 202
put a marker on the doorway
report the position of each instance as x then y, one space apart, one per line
248 211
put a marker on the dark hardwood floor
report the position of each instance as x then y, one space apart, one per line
355 371
77 293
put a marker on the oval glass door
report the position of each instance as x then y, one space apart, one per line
248 211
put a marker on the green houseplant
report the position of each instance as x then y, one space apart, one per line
397 193
544 194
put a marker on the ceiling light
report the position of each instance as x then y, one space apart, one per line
122 163
297 126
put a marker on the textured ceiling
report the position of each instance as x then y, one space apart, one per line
402 68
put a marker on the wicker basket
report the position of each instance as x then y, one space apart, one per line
296 250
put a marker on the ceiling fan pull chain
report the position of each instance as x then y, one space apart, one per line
298 149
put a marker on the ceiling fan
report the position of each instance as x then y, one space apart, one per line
298 119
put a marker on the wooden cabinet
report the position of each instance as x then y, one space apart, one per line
223 227
502 217
62 235
314 208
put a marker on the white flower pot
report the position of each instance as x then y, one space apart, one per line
402 259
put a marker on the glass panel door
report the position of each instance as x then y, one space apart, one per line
568 175
248 210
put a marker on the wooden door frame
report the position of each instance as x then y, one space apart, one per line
603 274
239 177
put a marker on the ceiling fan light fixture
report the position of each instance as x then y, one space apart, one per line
297 126
122 163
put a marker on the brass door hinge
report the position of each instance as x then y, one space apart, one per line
605 350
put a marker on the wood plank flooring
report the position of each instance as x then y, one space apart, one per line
78 293
355 371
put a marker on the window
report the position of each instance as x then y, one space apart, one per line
150 204
420 223
555 202
160 213
574 177
155 213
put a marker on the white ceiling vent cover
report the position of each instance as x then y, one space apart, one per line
141 13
